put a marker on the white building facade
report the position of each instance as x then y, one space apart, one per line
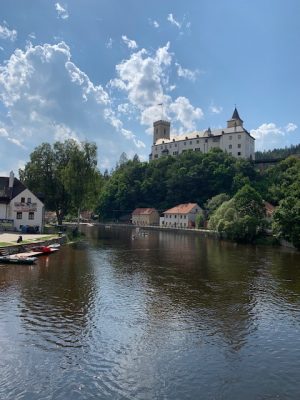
181 216
234 140
19 207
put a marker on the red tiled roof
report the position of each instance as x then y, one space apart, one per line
181 209
143 211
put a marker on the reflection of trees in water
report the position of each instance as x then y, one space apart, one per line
56 300
212 282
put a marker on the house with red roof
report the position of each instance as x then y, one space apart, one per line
145 216
181 216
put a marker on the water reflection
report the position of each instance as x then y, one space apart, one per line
161 315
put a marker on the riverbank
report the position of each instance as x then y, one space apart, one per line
202 232
9 245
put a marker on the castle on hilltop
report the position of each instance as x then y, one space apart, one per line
234 139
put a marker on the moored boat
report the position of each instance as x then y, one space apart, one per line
14 259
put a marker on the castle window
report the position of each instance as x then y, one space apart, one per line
31 215
239 145
239 153
19 215
184 143
215 139
22 199
239 136
197 140
230 146
175 144
164 131
197 149
156 130
191 142
205 140
156 156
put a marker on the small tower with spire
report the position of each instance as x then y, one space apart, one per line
235 120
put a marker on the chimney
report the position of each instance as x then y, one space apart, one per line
11 179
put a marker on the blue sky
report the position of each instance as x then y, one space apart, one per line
96 70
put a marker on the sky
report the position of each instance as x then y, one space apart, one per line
105 70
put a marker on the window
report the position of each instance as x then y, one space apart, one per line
239 153
239 136
197 149
185 217
156 156
205 140
197 141
29 200
31 215
175 216
184 143
191 142
230 146
19 215
175 144
175 153
239 145
164 131
156 130
22 199
230 137
215 139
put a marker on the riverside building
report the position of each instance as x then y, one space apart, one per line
234 139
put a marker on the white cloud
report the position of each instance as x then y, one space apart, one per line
154 23
173 21
47 98
61 11
185 113
215 109
269 135
6 33
291 127
109 43
186 73
145 80
131 44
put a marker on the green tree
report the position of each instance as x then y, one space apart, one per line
64 174
212 204
286 220
242 218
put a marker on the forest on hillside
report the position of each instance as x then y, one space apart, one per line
67 173
278 153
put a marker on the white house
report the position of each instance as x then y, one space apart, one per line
181 216
19 207
234 139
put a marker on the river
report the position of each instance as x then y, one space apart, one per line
157 316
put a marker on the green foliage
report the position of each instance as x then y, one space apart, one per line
200 220
241 218
162 183
286 223
212 204
65 173
277 153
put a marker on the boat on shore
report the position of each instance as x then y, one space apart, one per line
14 259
